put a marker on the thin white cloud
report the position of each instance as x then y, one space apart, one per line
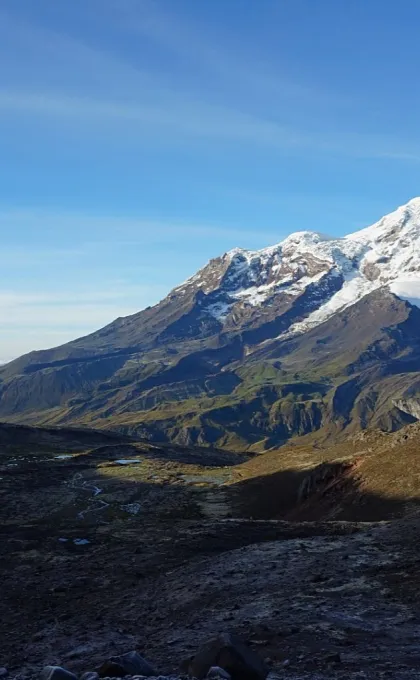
17 341
24 257
66 55
76 298
189 119
182 36
74 317
146 123
73 306
38 320
93 230
113 95
43 57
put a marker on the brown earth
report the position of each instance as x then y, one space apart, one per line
173 556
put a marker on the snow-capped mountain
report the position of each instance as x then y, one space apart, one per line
313 334
384 255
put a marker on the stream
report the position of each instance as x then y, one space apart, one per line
78 483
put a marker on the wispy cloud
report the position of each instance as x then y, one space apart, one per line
14 342
188 118
77 318
10 299
112 94
221 55
45 57
74 306
35 320
20 257
64 53
203 122
92 230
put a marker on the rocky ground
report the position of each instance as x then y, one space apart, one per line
81 581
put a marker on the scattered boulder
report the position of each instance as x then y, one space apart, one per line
334 657
232 655
89 675
3 672
216 672
57 673
130 663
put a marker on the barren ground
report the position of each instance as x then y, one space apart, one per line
160 553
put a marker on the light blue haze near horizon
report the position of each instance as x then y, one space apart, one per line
140 138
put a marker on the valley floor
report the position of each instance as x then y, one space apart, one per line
129 546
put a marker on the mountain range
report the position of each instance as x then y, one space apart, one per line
316 337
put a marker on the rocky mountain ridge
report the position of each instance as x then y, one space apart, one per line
312 335
387 254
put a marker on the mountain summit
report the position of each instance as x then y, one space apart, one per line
315 334
387 254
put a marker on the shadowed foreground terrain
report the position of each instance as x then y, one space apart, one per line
109 544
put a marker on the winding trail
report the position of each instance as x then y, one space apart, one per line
78 483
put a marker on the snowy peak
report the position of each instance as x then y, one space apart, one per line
392 247
386 254
392 224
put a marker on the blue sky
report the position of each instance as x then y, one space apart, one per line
140 138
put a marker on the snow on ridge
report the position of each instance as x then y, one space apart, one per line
396 218
354 289
385 254
408 290
408 213
219 310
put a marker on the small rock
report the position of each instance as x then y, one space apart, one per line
333 658
89 675
39 635
3 672
78 651
217 672
229 653
130 663
59 589
57 673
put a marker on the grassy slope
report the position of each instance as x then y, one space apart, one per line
342 375
370 476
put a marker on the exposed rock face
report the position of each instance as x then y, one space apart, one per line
257 347
410 406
